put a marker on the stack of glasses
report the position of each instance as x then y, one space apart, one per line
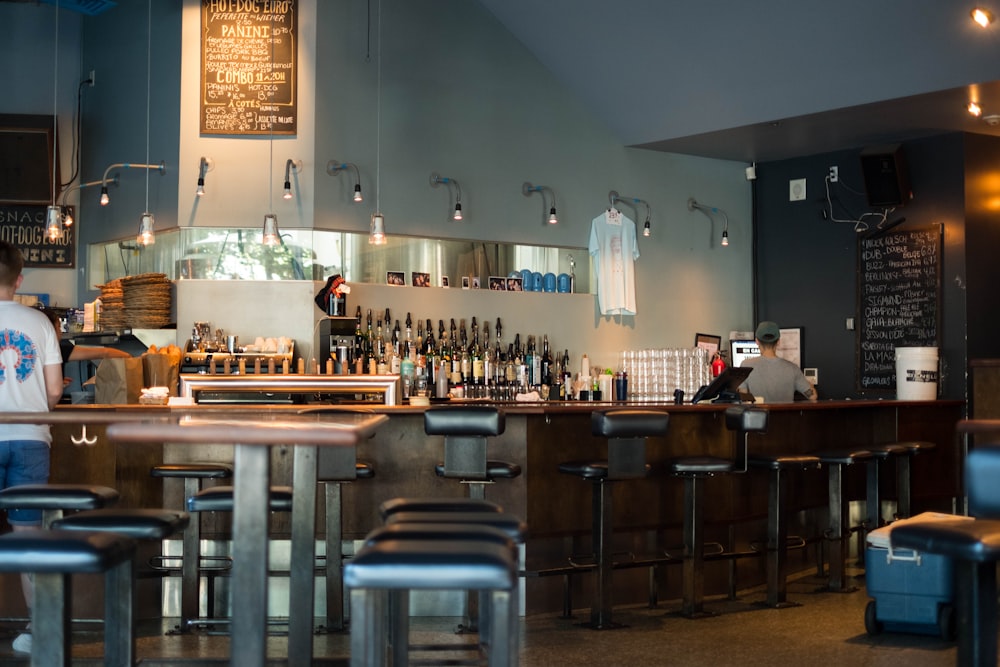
654 375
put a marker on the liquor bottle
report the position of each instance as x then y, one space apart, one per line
510 368
487 355
567 379
358 354
476 358
546 362
445 356
532 363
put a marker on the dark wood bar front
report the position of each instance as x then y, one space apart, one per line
557 507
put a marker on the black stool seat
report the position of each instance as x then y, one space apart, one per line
394 505
512 525
57 496
845 456
363 470
700 465
628 423
195 470
467 420
884 450
59 551
782 461
588 469
220 499
139 524
438 530
977 541
916 446
494 470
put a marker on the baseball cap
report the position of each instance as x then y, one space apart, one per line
767 332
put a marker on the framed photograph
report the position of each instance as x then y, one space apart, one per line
394 278
444 281
498 283
515 285
465 282
475 282
708 342
418 279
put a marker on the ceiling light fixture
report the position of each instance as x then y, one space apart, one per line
634 202
528 188
290 167
983 17
204 166
709 211
54 228
437 180
974 109
334 167
376 230
146 235
270 236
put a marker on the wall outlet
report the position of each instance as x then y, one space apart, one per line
834 174
93 77
797 189
849 324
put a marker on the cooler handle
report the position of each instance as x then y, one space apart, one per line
891 556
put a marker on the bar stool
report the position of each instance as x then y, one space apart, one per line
403 565
193 474
394 505
626 431
56 499
465 431
873 498
53 556
839 531
904 474
778 467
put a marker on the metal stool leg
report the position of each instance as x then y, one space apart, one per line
334 557
191 563
693 586
777 539
601 532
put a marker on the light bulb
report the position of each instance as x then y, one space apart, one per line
146 234
975 109
67 217
53 228
201 187
553 220
288 190
983 17
357 192
376 235
105 199
645 229
271 237
458 211
725 238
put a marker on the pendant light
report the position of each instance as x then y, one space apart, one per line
53 216
270 235
146 234
376 231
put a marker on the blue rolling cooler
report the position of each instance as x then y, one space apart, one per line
912 592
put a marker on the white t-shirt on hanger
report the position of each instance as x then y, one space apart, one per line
614 248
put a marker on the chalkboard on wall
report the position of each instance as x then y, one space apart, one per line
899 301
248 67
24 226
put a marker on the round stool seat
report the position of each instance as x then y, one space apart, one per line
394 505
364 470
513 526
700 465
437 530
916 446
885 450
220 499
845 456
494 470
782 461
196 470
57 496
588 469
139 524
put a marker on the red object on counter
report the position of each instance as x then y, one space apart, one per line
718 365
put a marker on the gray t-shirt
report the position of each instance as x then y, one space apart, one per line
775 379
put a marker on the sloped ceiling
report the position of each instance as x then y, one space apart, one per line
768 80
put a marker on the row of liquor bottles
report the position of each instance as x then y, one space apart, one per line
457 358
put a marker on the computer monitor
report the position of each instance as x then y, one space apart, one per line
742 349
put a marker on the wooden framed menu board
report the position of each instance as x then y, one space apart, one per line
899 304
248 66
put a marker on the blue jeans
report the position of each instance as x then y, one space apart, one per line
24 462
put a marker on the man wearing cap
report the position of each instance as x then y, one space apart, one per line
774 378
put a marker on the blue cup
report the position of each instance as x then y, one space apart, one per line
549 282
564 283
526 281
536 282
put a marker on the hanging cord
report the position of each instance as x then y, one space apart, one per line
378 116
149 58
55 106
861 223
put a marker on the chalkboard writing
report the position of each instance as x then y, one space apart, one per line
248 66
24 226
899 285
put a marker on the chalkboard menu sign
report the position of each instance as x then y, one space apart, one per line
24 226
248 66
899 287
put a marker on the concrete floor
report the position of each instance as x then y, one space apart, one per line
826 629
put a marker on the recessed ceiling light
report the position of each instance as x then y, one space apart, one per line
975 109
983 17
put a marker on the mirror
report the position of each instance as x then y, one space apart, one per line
211 253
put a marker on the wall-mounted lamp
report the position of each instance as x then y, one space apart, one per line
271 235
206 165
634 201
983 17
334 167
105 199
709 211
437 180
290 166
528 188
67 215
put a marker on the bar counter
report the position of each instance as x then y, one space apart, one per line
557 507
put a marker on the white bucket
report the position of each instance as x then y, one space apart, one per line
916 373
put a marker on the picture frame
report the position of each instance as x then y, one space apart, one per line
498 283
515 284
420 279
709 342
475 282
444 281
395 278
465 282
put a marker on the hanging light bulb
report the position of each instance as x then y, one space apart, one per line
357 193
645 228
271 236
67 216
376 233
725 237
105 199
288 190
200 191
458 211
53 228
146 234
553 220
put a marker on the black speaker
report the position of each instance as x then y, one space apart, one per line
886 180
